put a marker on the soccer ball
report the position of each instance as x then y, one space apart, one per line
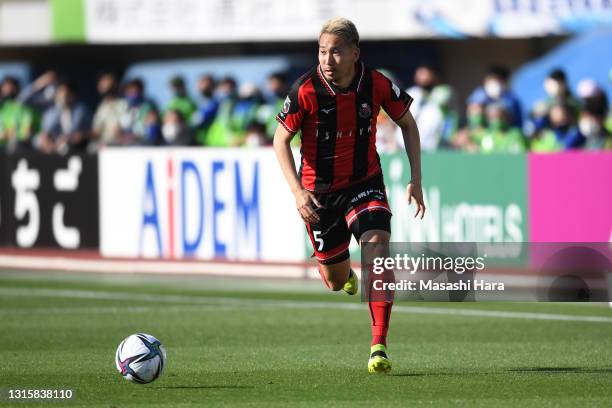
140 358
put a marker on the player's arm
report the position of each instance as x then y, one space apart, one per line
412 142
304 199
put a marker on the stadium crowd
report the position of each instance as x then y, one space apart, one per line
48 115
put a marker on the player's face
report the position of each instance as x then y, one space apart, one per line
337 59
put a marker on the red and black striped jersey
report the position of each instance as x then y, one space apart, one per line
338 127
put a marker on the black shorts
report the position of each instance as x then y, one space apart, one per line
353 210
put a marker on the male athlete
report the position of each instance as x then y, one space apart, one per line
339 190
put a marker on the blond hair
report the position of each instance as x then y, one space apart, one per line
343 28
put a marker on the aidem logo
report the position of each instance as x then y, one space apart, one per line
201 208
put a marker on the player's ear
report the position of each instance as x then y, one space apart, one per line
357 53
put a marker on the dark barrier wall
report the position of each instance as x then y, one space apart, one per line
49 201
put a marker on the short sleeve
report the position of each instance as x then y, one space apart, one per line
292 112
395 101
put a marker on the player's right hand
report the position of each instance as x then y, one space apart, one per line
415 191
306 202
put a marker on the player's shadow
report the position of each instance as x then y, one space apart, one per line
425 374
204 387
562 370
524 370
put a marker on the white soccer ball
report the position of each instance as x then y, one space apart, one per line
140 358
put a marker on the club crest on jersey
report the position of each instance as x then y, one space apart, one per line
365 111
286 105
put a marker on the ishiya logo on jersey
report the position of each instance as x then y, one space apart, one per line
206 209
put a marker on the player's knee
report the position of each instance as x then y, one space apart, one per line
336 285
333 281
335 275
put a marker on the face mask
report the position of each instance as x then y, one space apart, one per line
552 88
253 140
133 100
589 127
493 89
170 131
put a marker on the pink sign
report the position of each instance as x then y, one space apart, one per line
570 197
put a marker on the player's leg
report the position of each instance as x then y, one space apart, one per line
330 239
369 219
379 302
335 275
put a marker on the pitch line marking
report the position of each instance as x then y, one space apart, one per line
263 303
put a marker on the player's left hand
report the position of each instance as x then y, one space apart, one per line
414 190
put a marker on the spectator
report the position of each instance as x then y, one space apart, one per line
470 137
499 135
65 125
220 132
557 92
276 91
593 97
425 80
107 119
133 126
563 133
592 122
180 99
592 127
537 119
245 110
495 89
153 129
175 130
557 89
40 94
18 122
256 135
207 111
276 88
437 121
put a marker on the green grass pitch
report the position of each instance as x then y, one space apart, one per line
277 344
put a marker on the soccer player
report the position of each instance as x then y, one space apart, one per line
339 190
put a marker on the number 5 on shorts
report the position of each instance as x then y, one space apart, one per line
318 240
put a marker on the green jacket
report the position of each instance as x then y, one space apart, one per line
184 105
546 142
506 141
17 121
